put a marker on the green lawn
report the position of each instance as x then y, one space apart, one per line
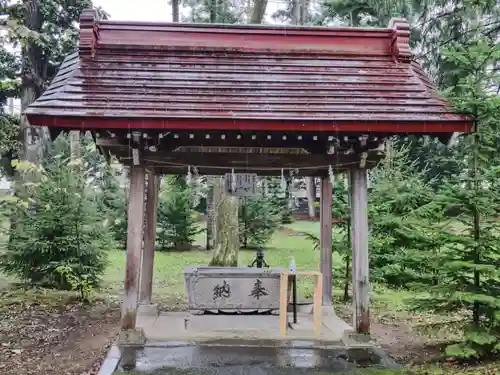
168 283
305 226
308 227
169 266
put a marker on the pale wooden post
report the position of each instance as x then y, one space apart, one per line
353 246
360 260
149 247
326 239
132 269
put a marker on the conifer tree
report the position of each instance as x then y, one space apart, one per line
469 263
176 223
258 219
113 203
56 223
402 217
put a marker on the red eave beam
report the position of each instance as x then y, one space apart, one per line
96 123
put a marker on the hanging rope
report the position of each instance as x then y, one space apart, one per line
331 175
324 166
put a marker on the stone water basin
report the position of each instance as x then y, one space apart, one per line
232 289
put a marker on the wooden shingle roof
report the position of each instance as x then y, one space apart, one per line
227 77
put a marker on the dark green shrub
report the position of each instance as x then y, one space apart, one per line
177 224
54 224
258 219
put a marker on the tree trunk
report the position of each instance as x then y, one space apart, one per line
305 16
175 10
227 242
311 196
74 144
347 277
258 11
32 138
295 12
210 214
213 11
33 77
245 222
27 135
289 195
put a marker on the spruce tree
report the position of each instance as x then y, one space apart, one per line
55 224
258 220
469 263
176 221
113 203
278 196
403 217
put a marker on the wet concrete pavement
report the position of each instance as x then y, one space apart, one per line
256 360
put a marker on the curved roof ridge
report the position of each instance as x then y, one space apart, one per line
262 26
97 35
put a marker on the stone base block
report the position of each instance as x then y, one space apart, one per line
132 337
148 310
354 339
128 360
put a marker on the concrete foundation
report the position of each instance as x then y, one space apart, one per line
183 326
148 310
184 358
223 344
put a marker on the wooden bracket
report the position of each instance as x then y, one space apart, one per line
89 32
400 40
362 159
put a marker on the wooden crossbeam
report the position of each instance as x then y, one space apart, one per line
210 160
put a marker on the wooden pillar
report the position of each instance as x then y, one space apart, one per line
148 253
134 242
360 260
326 239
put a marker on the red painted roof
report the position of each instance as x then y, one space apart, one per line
198 76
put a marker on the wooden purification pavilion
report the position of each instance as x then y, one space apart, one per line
271 100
